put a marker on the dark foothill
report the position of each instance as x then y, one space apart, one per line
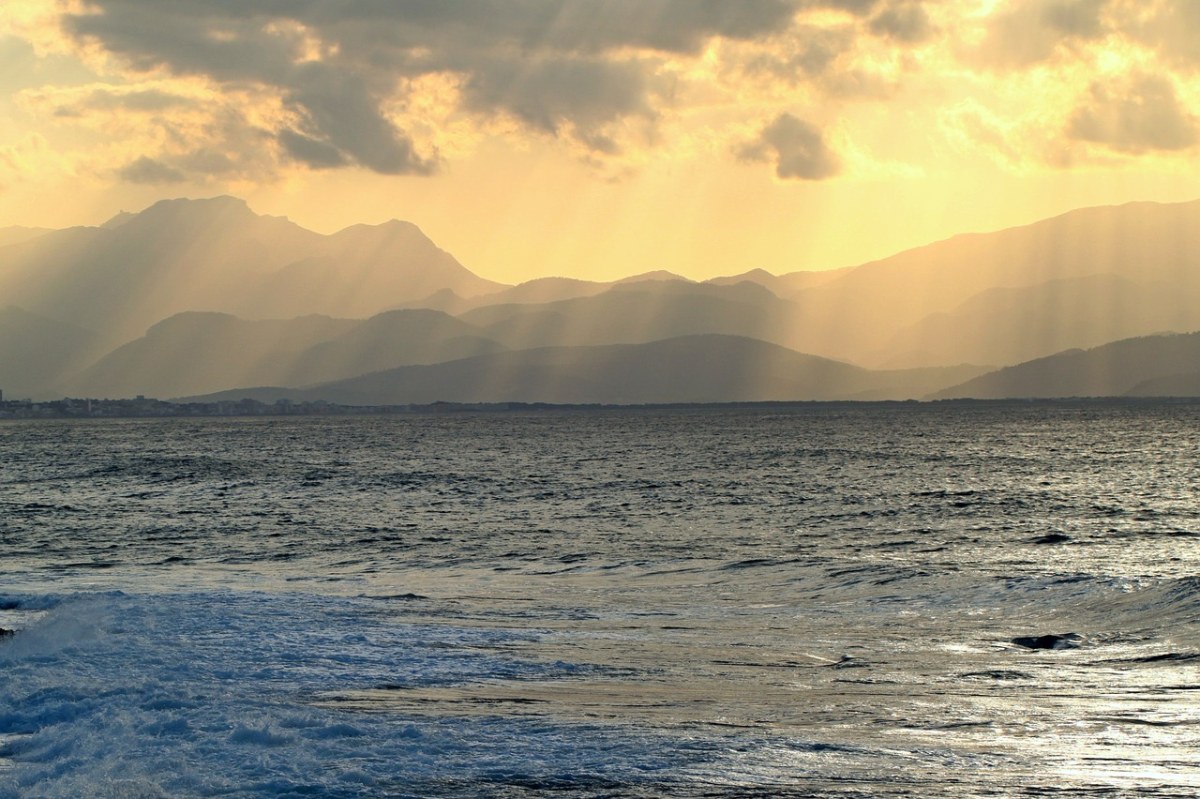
1064 641
6 633
1051 538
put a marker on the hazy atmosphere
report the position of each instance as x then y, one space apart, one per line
809 200
599 399
604 138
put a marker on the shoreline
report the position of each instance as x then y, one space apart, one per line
150 408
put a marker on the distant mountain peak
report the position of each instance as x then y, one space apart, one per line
398 223
657 274
220 201
390 229
222 209
758 273
118 220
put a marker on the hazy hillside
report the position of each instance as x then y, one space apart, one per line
390 339
1081 279
196 274
37 273
1148 366
640 312
195 352
36 351
17 234
783 285
1011 325
543 290
653 276
361 271
856 315
707 368
1180 385
218 255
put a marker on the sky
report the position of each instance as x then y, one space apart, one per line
603 138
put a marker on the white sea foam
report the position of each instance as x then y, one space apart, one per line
213 694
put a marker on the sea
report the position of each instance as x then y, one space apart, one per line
858 600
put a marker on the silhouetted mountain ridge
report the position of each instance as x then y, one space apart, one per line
641 312
700 368
201 352
858 315
1003 325
218 255
192 296
1162 365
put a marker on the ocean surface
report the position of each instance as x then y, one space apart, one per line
818 601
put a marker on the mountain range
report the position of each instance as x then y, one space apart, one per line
217 255
208 298
1147 366
693 369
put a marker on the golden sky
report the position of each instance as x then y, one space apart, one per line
602 138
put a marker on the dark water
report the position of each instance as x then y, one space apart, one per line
810 602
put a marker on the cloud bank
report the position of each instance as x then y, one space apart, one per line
212 90
341 68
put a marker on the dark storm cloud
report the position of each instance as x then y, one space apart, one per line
905 22
1030 31
1143 115
1025 32
579 26
314 154
810 52
1173 29
148 170
824 55
857 7
556 65
797 149
588 92
343 108
1080 18
148 100
180 36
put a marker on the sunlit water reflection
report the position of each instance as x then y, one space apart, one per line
817 602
